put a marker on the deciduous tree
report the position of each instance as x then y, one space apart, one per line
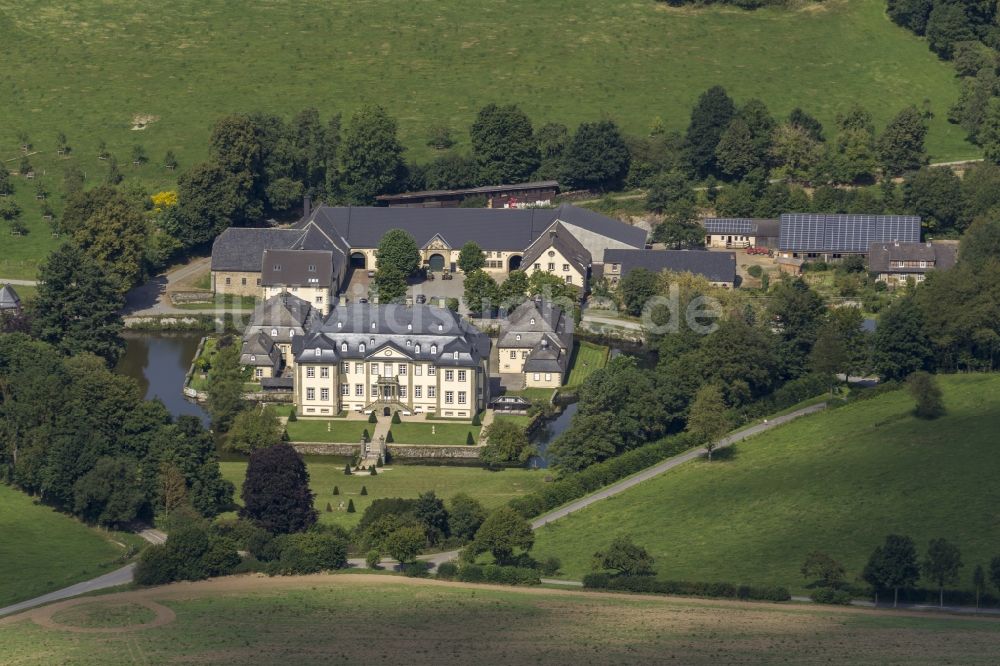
276 494
504 531
924 388
471 258
506 443
596 157
371 156
504 145
901 145
710 116
708 419
254 429
941 565
624 558
225 387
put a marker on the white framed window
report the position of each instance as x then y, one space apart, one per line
345 389
310 372
431 370
319 299
229 281
532 321
259 372
431 391
569 279
461 375
343 346
524 354
517 336
387 371
418 370
449 397
552 266
345 367
361 347
274 332
402 369
324 394
371 341
312 268
317 352
252 358
538 267
359 389
449 375
310 394
565 268
461 397
402 391
418 391
455 355
375 367
548 376
434 349
513 353
416 348
324 372
535 376
359 368
374 390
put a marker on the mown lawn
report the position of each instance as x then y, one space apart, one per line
400 480
434 433
306 620
837 482
333 430
88 69
42 550
587 358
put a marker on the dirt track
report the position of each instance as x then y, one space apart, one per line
148 597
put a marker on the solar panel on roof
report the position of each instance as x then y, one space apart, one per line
817 232
730 225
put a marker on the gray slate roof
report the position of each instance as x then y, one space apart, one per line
242 249
284 317
439 332
9 300
715 266
533 320
259 351
297 268
939 256
485 189
559 238
490 228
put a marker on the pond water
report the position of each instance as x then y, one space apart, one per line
159 362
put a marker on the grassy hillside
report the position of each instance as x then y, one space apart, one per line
381 619
42 550
490 488
89 68
838 482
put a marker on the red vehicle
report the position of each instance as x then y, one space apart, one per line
758 250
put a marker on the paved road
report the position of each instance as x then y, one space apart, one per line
656 470
151 298
609 321
114 578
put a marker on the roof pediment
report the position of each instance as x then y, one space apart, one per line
437 242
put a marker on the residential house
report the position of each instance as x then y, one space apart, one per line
741 232
536 341
898 263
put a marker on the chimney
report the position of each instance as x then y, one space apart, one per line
552 232
306 206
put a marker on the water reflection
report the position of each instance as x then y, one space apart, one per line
159 362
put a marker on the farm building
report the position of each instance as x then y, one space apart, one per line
897 263
719 268
741 232
520 195
829 237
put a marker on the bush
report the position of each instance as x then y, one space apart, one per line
373 558
389 439
755 270
291 416
476 420
829 595
350 506
373 471
650 585
336 489
364 490
395 417
347 471
155 566
550 566
329 509
414 569
372 418
366 436
447 570
469 439
310 552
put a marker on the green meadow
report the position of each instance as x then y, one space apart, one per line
838 482
93 68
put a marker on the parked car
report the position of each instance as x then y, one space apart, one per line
362 300
446 275
421 299
758 250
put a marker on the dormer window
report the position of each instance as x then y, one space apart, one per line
274 332
532 321
361 347
417 349
517 337
371 341
373 326
318 351
252 358
312 268
455 355
440 327
434 349
340 324
409 343
409 327
343 346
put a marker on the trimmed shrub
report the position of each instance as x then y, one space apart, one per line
336 490
388 438
501 575
755 271
291 416
469 439
829 595
476 420
328 508
650 585
367 437
364 490
350 506
373 471
373 558
372 418
347 472
395 417
447 570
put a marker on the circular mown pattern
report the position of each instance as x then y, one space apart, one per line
107 616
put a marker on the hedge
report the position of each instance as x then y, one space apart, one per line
651 585
600 474
447 570
494 573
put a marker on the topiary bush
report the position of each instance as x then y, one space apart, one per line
476 420
336 490
755 271
388 438
350 506
364 490
373 471
395 417
366 436
372 418
329 508
291 416
347 471
469 439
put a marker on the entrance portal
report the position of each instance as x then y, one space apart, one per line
358 260
514 263
386 412
436 263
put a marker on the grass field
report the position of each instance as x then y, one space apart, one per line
587 358
43 550
88 69
334 430
382 619
455 434
490 488
838 482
